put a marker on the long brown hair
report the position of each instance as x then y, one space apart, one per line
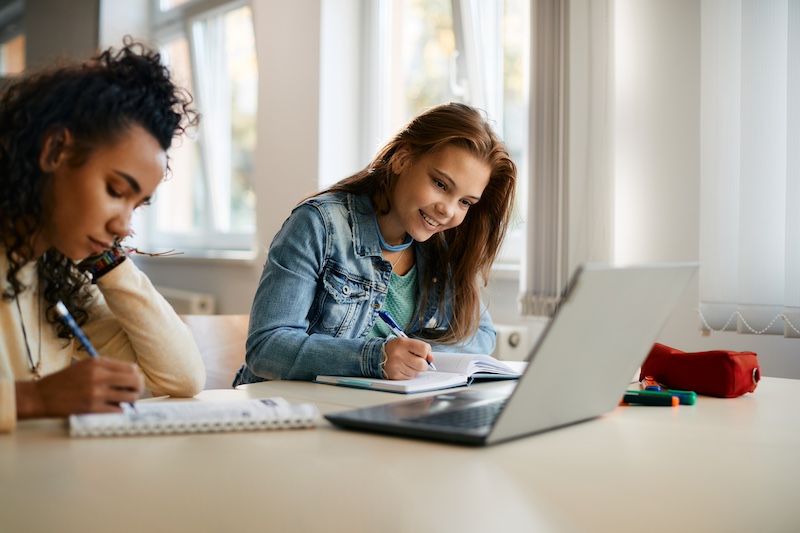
461 257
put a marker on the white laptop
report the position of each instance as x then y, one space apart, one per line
578 370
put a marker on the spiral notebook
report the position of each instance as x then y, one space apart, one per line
161 418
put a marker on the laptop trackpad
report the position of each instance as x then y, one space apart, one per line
466 409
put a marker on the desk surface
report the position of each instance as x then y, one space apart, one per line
721 465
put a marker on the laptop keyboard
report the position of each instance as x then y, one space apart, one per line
471 417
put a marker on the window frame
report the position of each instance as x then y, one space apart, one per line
205 239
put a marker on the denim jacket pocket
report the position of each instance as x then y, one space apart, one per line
342 300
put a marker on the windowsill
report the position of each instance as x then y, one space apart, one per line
212 257
500 271
505 271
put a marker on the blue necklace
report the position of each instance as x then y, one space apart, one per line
386 246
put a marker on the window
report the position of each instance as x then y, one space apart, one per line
208 203
12 39
12 56
417 54
435 51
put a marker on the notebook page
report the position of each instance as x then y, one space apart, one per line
191 417
425 381
467 363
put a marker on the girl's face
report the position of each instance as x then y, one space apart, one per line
87 206
432 194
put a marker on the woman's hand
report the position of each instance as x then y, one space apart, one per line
405 358
90 386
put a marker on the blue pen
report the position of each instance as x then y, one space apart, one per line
386 317
76 329
63 312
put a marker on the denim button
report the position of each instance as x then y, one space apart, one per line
345 290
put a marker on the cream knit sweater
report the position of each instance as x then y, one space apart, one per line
128 320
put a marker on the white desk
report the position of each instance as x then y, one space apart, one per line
722 465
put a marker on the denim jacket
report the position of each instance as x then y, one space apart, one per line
319 295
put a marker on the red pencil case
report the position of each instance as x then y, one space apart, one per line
720 373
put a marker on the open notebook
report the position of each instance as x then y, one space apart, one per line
153 418
453 370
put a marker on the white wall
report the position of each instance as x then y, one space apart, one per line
58 30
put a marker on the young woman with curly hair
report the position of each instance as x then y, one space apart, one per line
81 147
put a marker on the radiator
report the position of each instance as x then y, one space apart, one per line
189 302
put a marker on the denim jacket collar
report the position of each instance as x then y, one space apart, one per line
365 231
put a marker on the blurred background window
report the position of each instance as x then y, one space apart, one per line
208 201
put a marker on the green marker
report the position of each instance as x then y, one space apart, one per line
633 397
684 397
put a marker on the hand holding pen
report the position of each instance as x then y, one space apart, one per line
121 382
387 318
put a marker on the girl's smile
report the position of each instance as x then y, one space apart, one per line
429 220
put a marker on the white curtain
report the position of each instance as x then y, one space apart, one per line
213 92
570 196
750 166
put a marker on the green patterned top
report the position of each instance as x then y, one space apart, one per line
400 302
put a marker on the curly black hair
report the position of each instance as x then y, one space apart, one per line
97 101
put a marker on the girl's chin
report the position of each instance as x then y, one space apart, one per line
422 236
75 257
